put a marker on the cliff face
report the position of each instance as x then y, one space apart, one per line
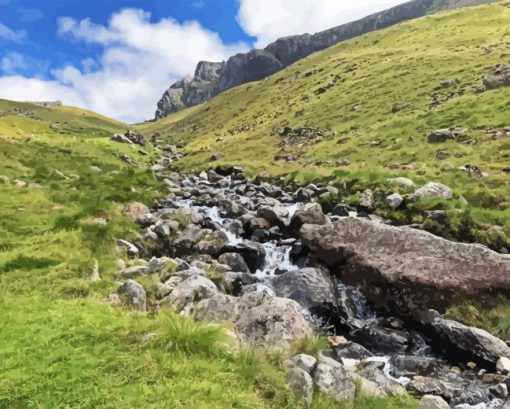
211 78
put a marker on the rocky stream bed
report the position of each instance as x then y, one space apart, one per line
269 260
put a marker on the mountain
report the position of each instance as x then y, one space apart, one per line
212 78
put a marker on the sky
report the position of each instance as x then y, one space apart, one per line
117 57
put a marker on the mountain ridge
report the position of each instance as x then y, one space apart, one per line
212 78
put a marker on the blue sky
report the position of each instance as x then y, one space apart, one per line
118 57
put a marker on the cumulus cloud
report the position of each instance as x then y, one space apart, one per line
19 88
11 35
139 61
267 20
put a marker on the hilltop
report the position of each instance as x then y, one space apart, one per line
362 111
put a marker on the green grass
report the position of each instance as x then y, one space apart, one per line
405 65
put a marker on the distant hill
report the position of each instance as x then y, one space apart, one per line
212 78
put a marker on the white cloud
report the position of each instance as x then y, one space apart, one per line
139 61
268 20
18 88
11 35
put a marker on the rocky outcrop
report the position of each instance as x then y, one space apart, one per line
498 77
191 91
212 78
408 270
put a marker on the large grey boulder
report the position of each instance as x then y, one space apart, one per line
134 295
301 383
310 287
472 341
310 214
334 380
433 190
235 261
405 269
189 291
260 319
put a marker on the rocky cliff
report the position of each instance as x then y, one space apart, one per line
211 78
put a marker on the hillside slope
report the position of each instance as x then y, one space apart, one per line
62 186
212 78
361 111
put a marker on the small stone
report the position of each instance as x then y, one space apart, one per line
503 365
471 365
502 390
433 402
303 361
96 169
400 181
94 277
301 383
442 155
394 200
20 183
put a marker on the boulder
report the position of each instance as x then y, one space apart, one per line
301 383
135 271
190 290
401 181
377 376
394 200
498 77
235 261
334 380
433 402
310 287
135 210
366 200
260 319
127 247
503 365
274 215
121 139
136 138
310 214
253 253
433 190
381 339
134 294
343 210
473 341
408 270
303 361
441 135
409 365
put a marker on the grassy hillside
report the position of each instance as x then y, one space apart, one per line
61 346
375 99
